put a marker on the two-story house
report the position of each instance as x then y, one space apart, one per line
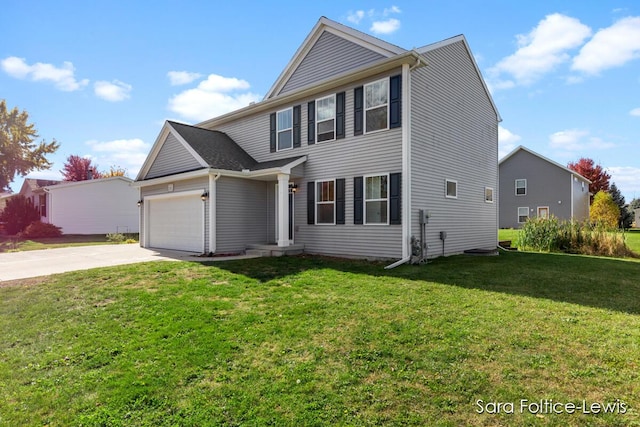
533 186
355 138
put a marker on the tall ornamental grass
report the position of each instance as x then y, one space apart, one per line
554 235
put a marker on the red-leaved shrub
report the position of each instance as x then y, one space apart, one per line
41 229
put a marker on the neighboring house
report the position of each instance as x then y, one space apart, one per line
354 138
3 200
636 217
533 186
96 206
33 189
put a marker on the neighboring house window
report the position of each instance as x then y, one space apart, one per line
325 202
43 205
451 189
521 187
376 99
285 129
326 118
488 194
523 214
376 199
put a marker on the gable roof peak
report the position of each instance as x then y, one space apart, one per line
540 156
323 25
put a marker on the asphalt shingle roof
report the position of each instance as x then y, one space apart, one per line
221 152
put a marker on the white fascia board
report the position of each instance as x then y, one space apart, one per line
188 147
87 182
153 153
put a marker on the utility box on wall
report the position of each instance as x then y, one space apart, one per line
424 216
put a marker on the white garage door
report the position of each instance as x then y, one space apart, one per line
176 223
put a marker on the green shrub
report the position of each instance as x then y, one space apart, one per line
41 229
554 235
18 213
116 237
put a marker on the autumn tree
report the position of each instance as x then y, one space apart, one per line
114 171
78 168
604 210
595 173
18 213
625 218
19 154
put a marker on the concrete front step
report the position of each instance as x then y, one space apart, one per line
274 250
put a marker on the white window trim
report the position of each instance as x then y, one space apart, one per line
518 217
485 194
365 109
317 202
365 200
278 130
320 121
516 186
543 207
447 181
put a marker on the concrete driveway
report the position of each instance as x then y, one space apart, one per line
22 265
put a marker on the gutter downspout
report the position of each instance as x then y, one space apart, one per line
406 165
212 211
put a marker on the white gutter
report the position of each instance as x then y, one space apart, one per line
406 163
212 211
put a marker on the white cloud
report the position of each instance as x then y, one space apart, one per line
390 10
577 140
385 27
540 51
112 91
63 78
215 96
355 17
610 47
635 112
506 141
627 179
182 77
129 154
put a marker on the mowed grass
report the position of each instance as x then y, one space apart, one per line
317 341
14 244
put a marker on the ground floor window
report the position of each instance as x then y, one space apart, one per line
325 202
376 199
523 214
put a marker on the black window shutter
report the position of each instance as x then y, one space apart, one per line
358 200
340 202
311 202
272 132
395 98
296 126
358 110
340 122
311 127
395 196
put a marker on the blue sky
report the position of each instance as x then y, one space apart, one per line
101 77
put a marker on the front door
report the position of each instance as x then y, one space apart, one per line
543 212
291 216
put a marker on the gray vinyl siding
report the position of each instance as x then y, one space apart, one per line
172 158
454 136
331 55
379 152
242 218
580 199
178 186
547 185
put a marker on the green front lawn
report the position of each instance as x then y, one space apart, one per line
14 244
317 341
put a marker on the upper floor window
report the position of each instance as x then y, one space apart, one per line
376 102
325 202
488 194
376 197
521 187
450 189
326 118
285 129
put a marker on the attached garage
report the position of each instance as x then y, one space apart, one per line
175 221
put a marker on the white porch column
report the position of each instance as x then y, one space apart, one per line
283 209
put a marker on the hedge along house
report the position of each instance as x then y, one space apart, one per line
353 140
